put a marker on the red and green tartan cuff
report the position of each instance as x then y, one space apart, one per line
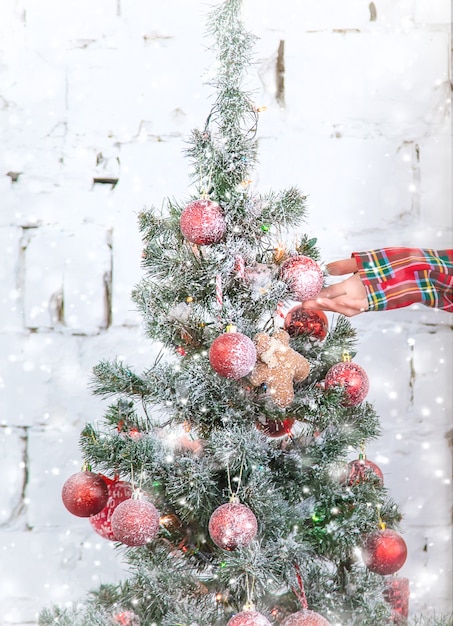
398 277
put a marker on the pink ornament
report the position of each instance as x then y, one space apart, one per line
352 378
118 492
85 494
232 355
249 618
135 522
202 222
303 276
305 618
384 552
232 525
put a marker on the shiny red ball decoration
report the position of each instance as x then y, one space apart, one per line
232 355
249 618
384 552
300 322
305 618
360 470
202 222
135 522
275 428
303 276
352 378
126 618
396 593
232 525
102 521
85 494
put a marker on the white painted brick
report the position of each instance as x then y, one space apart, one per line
370 177
376 79
12 453
308 15
105 76
74 21
10 302
436 182
429 568
438 12
69 269
87 276
59 566
25 378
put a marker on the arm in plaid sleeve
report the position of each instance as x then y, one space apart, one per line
397 277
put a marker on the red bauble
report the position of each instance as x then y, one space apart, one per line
352 378
135 522
305 618
232 355
118 492
303 276
126 618
249 618
85 494
275 428
202 222
300 322
232 525
361 470
384 552
397 593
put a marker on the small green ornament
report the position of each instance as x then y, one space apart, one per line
265 228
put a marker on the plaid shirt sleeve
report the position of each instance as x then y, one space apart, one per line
398 277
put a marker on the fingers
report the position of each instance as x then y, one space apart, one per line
344 306
344 266
333 291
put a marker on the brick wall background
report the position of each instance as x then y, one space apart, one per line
95 102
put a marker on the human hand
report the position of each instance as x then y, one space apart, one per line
347 297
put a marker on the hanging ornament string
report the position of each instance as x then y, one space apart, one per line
232 494
250 588
300 592
382 524
219 290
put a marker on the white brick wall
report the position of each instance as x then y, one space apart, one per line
110 90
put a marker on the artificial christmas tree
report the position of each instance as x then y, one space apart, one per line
241 526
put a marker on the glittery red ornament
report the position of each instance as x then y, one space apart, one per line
352 378
135 522
384 552
126 618
202 222
249 618
232 355
232 525
360 470
275 428
118 492
397 593
300 322
85 494
305 618
303 276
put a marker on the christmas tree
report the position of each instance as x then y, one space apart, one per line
232 472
